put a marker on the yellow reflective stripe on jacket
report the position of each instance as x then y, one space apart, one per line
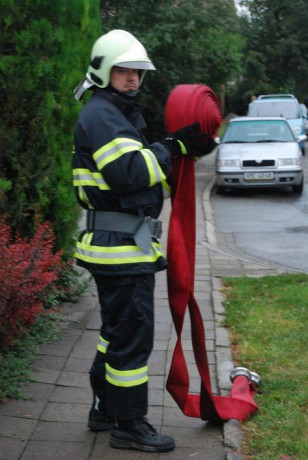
155 172
102 345
83 197
166 189
114 254
183 148
87 238
115 149
127 378
85 177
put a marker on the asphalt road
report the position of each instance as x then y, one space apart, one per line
271 225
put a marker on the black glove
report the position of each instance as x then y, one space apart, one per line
189 141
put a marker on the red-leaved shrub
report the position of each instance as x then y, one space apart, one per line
27 268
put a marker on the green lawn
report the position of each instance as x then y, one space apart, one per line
267 319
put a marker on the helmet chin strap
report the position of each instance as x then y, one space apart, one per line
85 84
131 93
120 93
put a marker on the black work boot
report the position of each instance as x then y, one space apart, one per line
139 435
98 419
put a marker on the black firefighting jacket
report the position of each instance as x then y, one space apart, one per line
114 169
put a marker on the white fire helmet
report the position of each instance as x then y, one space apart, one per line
116 48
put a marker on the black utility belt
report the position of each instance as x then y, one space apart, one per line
142 229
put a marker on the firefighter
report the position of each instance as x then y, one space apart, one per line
121 182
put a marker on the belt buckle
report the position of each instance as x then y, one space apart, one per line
156 227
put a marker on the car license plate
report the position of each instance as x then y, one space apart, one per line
259 176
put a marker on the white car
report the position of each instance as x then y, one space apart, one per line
259 152
280 105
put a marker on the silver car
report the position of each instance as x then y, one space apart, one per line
259 152
305 116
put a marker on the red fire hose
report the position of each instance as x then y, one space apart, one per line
188 104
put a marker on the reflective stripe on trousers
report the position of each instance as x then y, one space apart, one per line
126 341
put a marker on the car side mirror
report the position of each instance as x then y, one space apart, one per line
301 138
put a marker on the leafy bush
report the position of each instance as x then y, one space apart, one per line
44 54
70 285
28 268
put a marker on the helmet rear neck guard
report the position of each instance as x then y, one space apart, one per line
82 88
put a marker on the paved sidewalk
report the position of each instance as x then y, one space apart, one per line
51 423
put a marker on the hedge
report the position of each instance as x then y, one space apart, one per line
44 53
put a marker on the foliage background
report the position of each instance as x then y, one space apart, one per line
188 42
275 58
45 47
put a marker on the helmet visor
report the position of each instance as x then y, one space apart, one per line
142 65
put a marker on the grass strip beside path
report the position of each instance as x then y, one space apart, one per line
267 319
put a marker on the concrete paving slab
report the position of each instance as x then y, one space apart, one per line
31 409
45 375
62 431
54 362
161 344
51 450
65 412
72 395
156 397
35 391
78 364
54 349
102 450
74 379
202 437
11 448
94 321
16 427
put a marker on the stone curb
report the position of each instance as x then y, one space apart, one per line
232 430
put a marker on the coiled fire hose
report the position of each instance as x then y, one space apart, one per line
188 104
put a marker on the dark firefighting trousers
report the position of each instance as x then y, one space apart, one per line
119 374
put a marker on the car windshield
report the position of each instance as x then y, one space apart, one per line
286 109
258 131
